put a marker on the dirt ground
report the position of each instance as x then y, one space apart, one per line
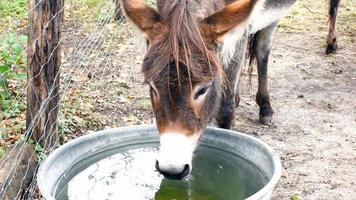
313 97
314 127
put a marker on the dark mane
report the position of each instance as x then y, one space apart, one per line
182 44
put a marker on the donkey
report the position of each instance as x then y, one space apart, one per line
196 50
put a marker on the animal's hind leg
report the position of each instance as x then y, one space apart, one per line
331 38
262 48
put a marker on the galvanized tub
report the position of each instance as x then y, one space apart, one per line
65 157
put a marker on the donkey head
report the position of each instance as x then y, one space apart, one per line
183 73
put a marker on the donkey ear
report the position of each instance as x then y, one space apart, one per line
233 15
143 16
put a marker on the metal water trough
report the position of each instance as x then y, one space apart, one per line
61 160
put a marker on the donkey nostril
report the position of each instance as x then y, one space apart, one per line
185 171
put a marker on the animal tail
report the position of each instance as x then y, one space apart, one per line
251 55
251 49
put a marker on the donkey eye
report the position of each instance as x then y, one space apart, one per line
201 92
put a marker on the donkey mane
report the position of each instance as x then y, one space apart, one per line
183 45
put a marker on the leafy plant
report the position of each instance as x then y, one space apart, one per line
12 81
295 197
3 134
41 153
12 66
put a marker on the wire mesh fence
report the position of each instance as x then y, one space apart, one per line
92 49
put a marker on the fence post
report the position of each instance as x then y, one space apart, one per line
44 58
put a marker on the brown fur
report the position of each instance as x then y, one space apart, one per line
147 21
182 55
228 18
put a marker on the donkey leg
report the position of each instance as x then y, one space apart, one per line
230 95
226 115
263 44
331 38
237 96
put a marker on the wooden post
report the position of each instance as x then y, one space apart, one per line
16 176
44 58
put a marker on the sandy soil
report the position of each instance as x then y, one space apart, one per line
313 96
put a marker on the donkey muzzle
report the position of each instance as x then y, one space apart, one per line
174 173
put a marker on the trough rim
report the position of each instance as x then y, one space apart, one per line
277 169
268 188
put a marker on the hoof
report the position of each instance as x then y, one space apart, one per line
237 101
266 113
266 120
226 126
331 47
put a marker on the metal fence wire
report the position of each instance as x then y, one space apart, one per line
86 52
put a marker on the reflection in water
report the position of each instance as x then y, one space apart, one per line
180 190
131 174
126 175
173 190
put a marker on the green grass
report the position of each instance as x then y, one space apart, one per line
14 21
312 16
12 69
13 9
92 10
13 14
87 11
13 17
12 81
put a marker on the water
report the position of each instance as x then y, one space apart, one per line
130 174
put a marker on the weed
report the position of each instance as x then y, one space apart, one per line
295 197
76 118
12 73
12 80
41 153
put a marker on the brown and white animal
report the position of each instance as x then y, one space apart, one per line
193 63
